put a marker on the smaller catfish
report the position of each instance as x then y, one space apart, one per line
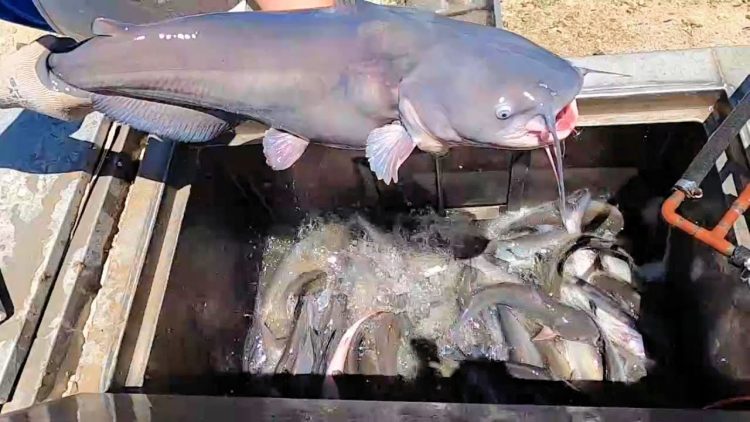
360 76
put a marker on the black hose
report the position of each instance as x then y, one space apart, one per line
717 143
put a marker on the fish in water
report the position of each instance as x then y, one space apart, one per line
299 356
520 239
377 347
301 271
564 321
330 327
568 360
386 333
361 76
572 360
482 337
522 349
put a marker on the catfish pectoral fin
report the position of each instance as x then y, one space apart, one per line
387 148
177 123
282 149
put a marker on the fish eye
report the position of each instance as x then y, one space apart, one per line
503 111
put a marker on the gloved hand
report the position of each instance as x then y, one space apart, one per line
21 85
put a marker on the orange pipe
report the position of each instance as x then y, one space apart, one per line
736 211
715 238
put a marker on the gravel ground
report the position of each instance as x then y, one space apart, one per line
587 27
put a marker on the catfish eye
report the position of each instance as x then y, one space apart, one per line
503 111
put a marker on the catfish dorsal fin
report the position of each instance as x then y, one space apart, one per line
109 27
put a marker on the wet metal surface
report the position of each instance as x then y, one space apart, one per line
60 336
110 310
210 292
44 168
149 299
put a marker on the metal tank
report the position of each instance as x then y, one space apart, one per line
146 280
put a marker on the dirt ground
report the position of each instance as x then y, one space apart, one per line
585 27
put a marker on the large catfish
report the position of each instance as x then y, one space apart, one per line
358 76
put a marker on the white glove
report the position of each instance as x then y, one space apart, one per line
20 85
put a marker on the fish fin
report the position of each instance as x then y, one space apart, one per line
165 120
106 27
282 149
544 334
387 148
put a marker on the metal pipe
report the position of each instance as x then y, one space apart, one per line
712 238
689 185
734 212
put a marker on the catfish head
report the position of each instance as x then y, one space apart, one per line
510 100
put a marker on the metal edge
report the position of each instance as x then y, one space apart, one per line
140 407
141 329
53 248
497 13
734 65
651 73
105 327
76 283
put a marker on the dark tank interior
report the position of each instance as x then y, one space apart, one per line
692 310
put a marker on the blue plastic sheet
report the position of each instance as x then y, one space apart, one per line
23 12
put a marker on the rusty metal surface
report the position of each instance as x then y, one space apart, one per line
105 326
44 168
59 336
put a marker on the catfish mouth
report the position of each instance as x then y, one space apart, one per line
565 123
